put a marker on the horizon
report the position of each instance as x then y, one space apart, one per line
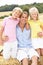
18 2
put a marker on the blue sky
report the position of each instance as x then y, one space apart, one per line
19 2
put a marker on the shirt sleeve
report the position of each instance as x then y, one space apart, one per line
17 21
41 23
4 22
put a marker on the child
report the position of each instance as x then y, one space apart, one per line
25 49
36 30
8 34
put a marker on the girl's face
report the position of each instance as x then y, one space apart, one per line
16 14
24 18
34 15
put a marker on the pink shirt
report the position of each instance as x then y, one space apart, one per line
10 28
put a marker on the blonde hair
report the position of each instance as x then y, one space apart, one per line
32 10
17 8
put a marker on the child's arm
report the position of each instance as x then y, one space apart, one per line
27 26
41 25
3 38
40 34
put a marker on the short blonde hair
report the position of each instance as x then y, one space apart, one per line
18 8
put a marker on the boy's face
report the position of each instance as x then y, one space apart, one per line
16 14
34 15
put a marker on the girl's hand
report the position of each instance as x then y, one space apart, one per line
27 26
5 38
40 34
1 42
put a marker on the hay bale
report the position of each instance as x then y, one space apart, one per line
8 62
41 60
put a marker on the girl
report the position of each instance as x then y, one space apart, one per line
8 33
36 30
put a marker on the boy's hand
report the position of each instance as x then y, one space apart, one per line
40 34
5 38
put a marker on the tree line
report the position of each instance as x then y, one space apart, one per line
24 7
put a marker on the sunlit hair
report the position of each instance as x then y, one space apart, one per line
31 10
25 12
17 8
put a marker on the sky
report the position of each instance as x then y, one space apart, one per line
19 2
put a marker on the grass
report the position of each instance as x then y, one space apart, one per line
5 13
11 61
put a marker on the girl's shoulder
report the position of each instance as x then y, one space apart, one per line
30 21
6 18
